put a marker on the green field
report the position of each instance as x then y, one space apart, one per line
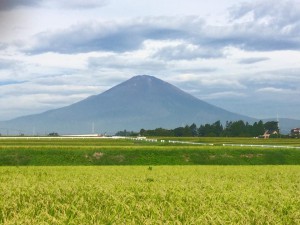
59 181
68 152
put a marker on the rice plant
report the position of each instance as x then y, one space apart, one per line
139 195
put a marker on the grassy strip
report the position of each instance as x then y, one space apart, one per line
147 155
126 142
239 140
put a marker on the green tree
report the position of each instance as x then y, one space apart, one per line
142 132
271 126
257 129
236 129
217 128
193 129
179 132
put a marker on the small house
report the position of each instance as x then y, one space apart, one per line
295 132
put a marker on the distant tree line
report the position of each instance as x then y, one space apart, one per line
126 133
231 129
53 134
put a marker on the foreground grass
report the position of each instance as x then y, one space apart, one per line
150 195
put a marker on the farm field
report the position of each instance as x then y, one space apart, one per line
31 141
150 195
61 181
99 151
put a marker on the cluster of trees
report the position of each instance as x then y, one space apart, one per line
231 129
126 133
53 134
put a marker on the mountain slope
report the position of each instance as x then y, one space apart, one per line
140 102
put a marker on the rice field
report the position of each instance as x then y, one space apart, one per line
99 151
150 195
160 183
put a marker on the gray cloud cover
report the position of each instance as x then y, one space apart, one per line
11 4
67 4
252 60
75 4
5 64
109 36
265 32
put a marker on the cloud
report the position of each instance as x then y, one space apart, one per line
11 71
106 36
258 26
75 4
119 62
66 4
186 52
198 70
270 90
251 37
266 25
252 60
5 64
208 82
269 12
198 40
34 103
3 46
40 94
11 4
276 90
10 82
284 78
224 95
125 36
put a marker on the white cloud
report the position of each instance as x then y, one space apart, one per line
186 51
34 103
269 12
225 95
210 80
281 91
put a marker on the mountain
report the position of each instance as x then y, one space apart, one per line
140 102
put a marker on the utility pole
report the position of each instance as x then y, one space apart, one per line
278 126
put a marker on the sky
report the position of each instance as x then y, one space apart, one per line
243 56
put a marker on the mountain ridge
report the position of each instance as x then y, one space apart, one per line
142 101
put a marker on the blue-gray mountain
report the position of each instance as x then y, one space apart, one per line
140 102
